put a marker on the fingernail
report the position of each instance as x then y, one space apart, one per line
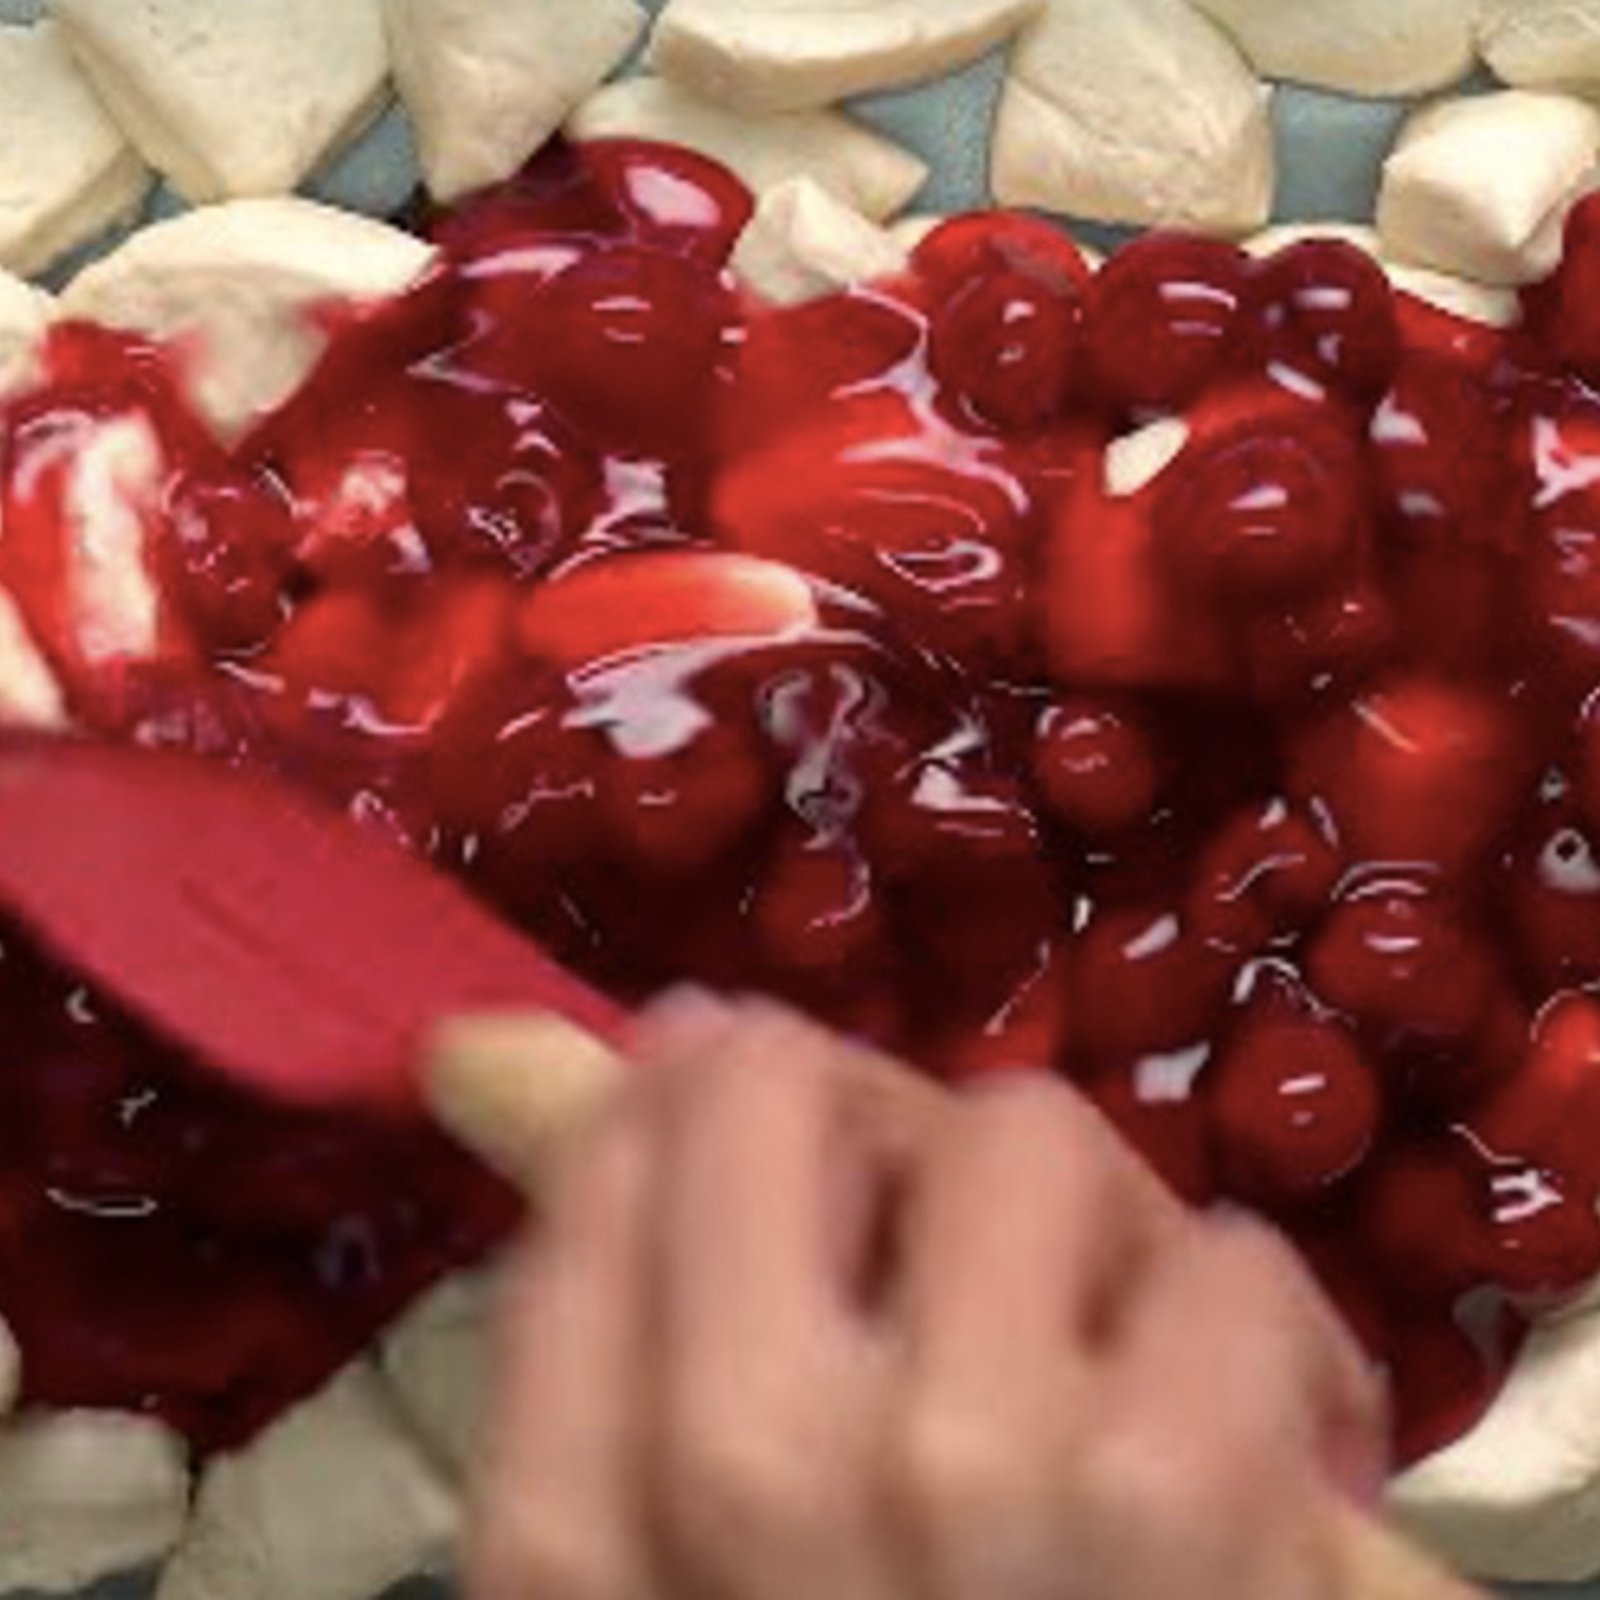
683 1021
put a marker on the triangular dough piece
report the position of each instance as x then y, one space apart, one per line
335 1501
860 167
488 81
1541 44
1138 112
1480 186
25 314
234 97
235 285
802 243
71 174
1369 47
789 55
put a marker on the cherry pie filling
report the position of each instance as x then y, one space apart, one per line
826 651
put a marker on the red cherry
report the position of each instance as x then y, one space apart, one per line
676 812
405 654
1144 985
1423 1212
1329 301
878 496
1420 771
1544 1112
1437 448
1324 642
1266 511
639 601
1429 330
1262 876
815 912
1554 887
515 782
962 248
1443 1378
626 343
1395 955
1006 342
1115 615
1162 314
1096 765
227 556
668 197
1575 326
1543 1237
797 359
1296 1105
1029 1032
1561 571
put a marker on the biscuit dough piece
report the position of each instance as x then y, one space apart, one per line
69 172
436 1361
488 81
335 1501
235 286
233 97
761 56
858 166
86 1494
802 243
1541 44
1368 47
1518 1498
1479 187
1138 112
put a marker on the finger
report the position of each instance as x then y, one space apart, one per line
1236 1380
557 1508
770 1377
1030 1223
761 1155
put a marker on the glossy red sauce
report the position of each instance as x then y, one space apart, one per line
1261 802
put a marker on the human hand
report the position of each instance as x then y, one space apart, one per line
778 1340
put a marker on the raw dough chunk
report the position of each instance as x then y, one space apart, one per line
1374 47
1479 187
1138 112
803 243
69 174
488 81
860 168
84 1494
235 285
25 316
1518 1499
234 97
333 1502
763 56
436 1362
1542 44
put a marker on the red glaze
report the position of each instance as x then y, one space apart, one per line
1260 800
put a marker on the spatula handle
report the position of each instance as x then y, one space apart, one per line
513 1087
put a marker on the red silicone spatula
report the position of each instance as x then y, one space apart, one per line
281 945
270 938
